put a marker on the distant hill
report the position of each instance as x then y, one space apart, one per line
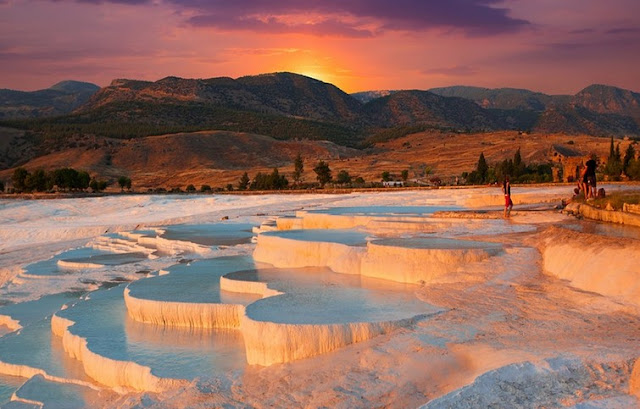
276 94
501 98
605 99
60 99
423 107
596 110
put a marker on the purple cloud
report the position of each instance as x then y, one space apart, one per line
624 30
344 18
277 26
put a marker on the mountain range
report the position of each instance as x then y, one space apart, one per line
60 99
286 106
267 103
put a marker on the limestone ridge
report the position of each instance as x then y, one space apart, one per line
60 99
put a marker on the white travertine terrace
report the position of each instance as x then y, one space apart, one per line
269 343
72 265
120 375
183 314
287 252
396 260
582 258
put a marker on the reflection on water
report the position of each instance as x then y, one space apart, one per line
169 352
435 243
320 296
606 229
33 346
8 385
349 237
220 234
197 281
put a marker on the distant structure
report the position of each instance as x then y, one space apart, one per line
393 183
570 161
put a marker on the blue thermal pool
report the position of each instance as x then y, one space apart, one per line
348 237
320 296
435 243
176 353
219 234
197 282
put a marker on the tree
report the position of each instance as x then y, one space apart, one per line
275 181
244 182
84 179
38 181
629 155
386 176
614 165
205 188
482 168
323 173
124 181
19 179
298 168
343 177
230 187
1 186
97 185
518 164
405 174
191 188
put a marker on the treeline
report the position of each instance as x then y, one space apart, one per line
617 166
516 169
276 181
63 179
134 119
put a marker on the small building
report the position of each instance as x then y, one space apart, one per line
393 183
570 161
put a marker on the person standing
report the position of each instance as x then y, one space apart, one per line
590 179
508 203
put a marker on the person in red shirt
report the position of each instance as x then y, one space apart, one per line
508 204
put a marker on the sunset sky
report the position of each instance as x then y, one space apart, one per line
551 46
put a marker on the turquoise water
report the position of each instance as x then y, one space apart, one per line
83 255
219 234
198 281
177 353
436 243
8 385
349 237
56 395
35 346
31 311
320 296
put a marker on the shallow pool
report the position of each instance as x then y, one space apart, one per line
219 234
348 237
320 296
